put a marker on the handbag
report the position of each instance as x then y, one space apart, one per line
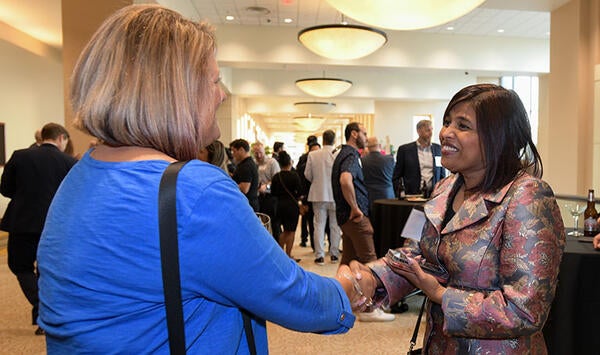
169 259
302 208
413 340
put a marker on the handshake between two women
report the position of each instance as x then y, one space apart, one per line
366 290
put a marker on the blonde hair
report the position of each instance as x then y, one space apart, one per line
142 80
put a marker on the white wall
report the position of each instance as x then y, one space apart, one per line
394 119
31 94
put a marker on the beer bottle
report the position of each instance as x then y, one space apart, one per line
424 189
401 191
590 216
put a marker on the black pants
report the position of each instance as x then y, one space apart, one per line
307 227
268 205
22 250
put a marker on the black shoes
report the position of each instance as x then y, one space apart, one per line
321 260
399 307
40 331
303 244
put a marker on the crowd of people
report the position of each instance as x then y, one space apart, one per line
492 225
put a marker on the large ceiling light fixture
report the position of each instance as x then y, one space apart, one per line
323 87
405 14
315 107
344 42
308 123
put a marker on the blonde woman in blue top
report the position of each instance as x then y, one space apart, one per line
147 86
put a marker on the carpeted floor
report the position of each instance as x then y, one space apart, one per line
17 335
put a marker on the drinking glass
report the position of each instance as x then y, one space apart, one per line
576 211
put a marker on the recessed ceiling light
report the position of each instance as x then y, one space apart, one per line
258 10
287 20
229 18
450 28
500 31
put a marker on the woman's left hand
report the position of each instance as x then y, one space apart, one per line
353 283
422 280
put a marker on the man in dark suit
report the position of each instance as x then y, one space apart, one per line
416 162
30 179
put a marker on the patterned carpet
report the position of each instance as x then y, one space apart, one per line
365 338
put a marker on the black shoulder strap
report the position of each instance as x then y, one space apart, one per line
169 257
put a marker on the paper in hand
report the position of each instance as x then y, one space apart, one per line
414 225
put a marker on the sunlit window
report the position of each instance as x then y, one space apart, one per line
527 87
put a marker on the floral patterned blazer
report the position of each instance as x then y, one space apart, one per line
502 251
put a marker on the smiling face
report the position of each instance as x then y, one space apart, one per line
461 149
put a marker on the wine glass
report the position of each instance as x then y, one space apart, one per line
576 211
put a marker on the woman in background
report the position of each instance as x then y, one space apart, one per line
215 154
495 228
147 87
286 186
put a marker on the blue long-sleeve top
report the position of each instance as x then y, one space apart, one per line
100 273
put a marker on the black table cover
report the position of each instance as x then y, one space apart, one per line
388 218
573 326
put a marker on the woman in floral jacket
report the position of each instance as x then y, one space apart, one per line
493 225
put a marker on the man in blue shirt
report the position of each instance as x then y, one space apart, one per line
377 169
352 207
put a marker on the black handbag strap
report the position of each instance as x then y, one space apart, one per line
285 188
413 340
249 332
169 258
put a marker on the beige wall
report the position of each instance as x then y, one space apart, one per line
80 20
570 145
31 95
395 119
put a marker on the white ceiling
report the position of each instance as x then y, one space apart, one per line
517 18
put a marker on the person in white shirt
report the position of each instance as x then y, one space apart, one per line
318 172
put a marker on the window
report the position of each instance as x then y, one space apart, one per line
527 87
